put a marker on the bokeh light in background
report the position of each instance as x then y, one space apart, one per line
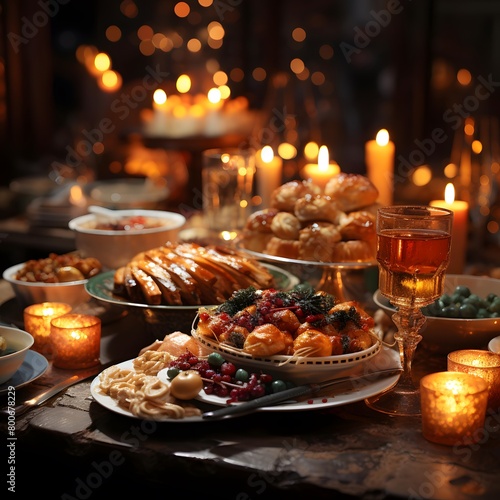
183 84
216 62
220 45
422 175
210 37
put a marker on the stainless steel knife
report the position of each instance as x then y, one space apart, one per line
56 389
295 392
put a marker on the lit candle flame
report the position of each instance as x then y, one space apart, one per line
323 159
267 154
76 196
382 138
449 193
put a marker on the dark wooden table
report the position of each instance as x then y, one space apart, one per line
72 447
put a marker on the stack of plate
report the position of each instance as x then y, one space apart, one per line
56 209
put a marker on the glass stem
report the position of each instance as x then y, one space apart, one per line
408 321
332 282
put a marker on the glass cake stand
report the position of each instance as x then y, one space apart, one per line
330 277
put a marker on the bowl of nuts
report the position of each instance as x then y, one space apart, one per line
56 278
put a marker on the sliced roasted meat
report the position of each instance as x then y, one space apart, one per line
171 293
189 274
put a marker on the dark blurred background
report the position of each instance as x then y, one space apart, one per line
342 68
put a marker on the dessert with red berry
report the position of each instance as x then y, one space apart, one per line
299 322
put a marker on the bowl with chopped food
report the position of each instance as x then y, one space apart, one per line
300 334
55 278
465 316
14 344
117 236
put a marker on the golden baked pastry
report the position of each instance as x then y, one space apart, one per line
283 248
285 196
313 342
351 191
305 222
352 251
265 340
317 240
260 221
286 226
257 231
255 241
360 225
317 208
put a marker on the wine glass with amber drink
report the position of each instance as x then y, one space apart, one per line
413 249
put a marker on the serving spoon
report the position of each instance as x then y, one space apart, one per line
104 213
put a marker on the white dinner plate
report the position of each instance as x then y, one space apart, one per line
387 358
111 404
33 366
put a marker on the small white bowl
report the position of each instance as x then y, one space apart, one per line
115 248
19 342
444 335
27 293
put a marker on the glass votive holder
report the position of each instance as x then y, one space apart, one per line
37 318
76 341
484 364
453 406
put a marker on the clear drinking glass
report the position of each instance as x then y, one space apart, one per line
413 251
227 180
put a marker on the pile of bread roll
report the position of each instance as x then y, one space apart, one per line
306 222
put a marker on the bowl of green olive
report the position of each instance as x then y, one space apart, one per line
465 316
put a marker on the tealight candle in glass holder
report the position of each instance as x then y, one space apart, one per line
484 364
453 407
37 318
76 341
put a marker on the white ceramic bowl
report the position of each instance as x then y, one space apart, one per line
300 370
114 248
18 344
444 335
27 293
128 193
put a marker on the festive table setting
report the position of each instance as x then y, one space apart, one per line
250 251
238 357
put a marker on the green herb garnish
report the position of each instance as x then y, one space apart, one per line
238 301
